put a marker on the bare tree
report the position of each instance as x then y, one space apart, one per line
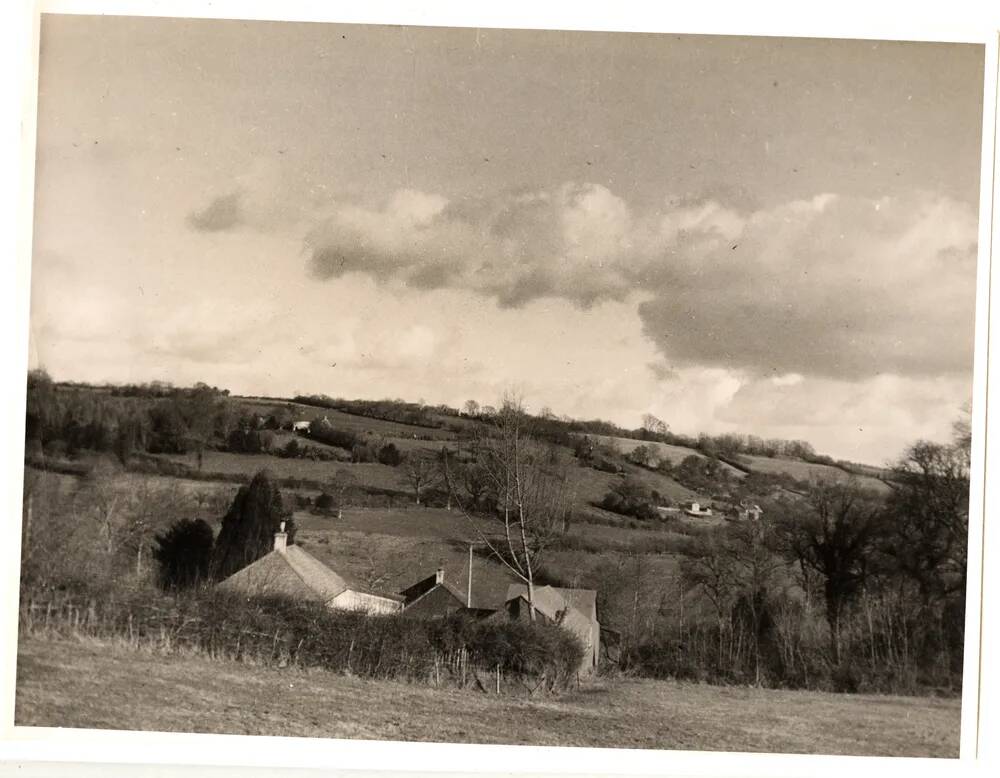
929 511
422 472
654 425
531 494
834 531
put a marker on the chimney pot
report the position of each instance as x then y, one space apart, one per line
439 575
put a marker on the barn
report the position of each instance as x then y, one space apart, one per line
290 571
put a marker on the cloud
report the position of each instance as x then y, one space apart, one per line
565 242
835 287
869 420
828 286
222 213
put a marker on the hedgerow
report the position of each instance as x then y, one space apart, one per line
457 650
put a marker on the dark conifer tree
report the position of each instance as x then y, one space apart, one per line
248 527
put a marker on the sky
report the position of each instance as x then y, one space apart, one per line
759 235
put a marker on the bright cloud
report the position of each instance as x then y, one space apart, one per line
829 286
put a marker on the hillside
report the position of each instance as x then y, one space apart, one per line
665 451
668 478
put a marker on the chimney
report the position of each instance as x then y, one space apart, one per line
281 539
439 576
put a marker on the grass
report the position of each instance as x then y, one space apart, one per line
369 474
90 684
674 454
807 471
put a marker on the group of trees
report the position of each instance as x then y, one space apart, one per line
631 497
189 554
62 420
884 573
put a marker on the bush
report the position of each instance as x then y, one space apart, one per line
390 455
631 498
250 441
323 431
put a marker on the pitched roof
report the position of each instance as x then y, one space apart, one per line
292 573
551 599
425 585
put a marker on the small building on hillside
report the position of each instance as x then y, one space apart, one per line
290 571
572 609
300 426
696 509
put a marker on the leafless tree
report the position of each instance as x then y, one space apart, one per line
531 493
422 472
652 424
834 531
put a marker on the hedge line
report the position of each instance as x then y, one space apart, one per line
458 649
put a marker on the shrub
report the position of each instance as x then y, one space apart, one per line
184 553
631 498
390 455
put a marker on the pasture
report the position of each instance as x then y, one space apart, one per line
673 454
808 471
57 686
369 474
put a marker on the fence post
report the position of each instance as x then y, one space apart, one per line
498 679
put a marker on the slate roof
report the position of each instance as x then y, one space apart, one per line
426 585
292 573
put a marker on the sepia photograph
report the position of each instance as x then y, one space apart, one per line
501 386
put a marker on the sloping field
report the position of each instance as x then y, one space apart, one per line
353 422
71 684
674 454
590 485
807 471
370 474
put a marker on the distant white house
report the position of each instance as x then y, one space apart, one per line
696 509
290 571
300 426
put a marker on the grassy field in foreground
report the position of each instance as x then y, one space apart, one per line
71 684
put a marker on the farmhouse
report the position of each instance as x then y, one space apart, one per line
300 426
572 609
290 571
